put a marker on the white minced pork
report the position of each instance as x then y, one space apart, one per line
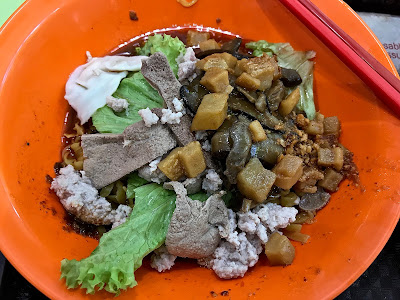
212 182
232 262
152 173
187 65
149 118
178 105
249 222
117 104
168 116
274 216
121 214
231 235
81 199
162 260
206 146
234 255
265 219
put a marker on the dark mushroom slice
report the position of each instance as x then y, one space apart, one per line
190 98
221 142
240 56
275 95
268 150
311 202
240 105
193 93
202 54
239 154
250 95
232 46
261 103
290 77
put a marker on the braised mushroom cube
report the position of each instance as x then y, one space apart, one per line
188 160
257 131
288 171
229 59
338 158
218 60
194 38
209 45
326 157
192 159
319 117
316 126
264 68
287 105
279 250
254 181
212 61
331 180
332 126
239 68
247 81
307 181
211 113
171 165
216 80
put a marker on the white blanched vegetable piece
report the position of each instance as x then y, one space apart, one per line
90 84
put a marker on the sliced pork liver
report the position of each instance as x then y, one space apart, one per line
107 159
159 74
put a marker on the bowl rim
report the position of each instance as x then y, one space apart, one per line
7 249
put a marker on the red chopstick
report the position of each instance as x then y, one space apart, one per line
381 81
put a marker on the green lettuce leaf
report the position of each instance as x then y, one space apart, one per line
291 59
171 47
120 251
200 196
134 181
139 94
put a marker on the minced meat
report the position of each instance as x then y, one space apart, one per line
162 260
81 199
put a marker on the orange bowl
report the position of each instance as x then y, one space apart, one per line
45 41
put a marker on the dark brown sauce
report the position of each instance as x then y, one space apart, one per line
70 120
72 224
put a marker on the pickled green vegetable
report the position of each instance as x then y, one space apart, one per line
296 236
305 217
118 193
243 106
294 227
106 191
289 200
